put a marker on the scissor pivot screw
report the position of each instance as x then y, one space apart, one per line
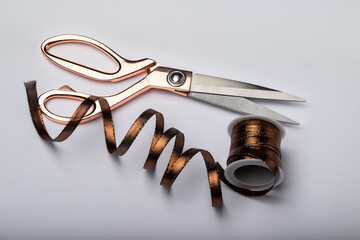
176 78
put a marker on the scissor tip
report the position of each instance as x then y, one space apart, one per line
290 121
285 120
296 99
302 99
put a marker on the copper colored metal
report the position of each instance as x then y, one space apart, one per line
156 78
126 68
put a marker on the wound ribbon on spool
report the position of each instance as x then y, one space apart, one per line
254 162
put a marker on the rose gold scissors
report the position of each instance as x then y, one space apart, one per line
225 93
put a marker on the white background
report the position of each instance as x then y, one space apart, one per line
76 190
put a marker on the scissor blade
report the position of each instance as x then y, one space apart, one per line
214 85
242 105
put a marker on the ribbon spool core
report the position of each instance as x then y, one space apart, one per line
253 174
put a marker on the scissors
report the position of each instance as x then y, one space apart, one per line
221 92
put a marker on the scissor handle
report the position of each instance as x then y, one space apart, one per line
126 68
114 101
66 93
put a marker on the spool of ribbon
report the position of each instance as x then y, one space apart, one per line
254 162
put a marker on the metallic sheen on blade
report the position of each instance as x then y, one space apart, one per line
239 104
214 85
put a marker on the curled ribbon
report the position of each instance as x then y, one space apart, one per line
178 159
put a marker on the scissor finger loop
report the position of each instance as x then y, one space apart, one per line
66 93
126 68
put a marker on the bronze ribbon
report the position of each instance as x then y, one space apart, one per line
178 159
